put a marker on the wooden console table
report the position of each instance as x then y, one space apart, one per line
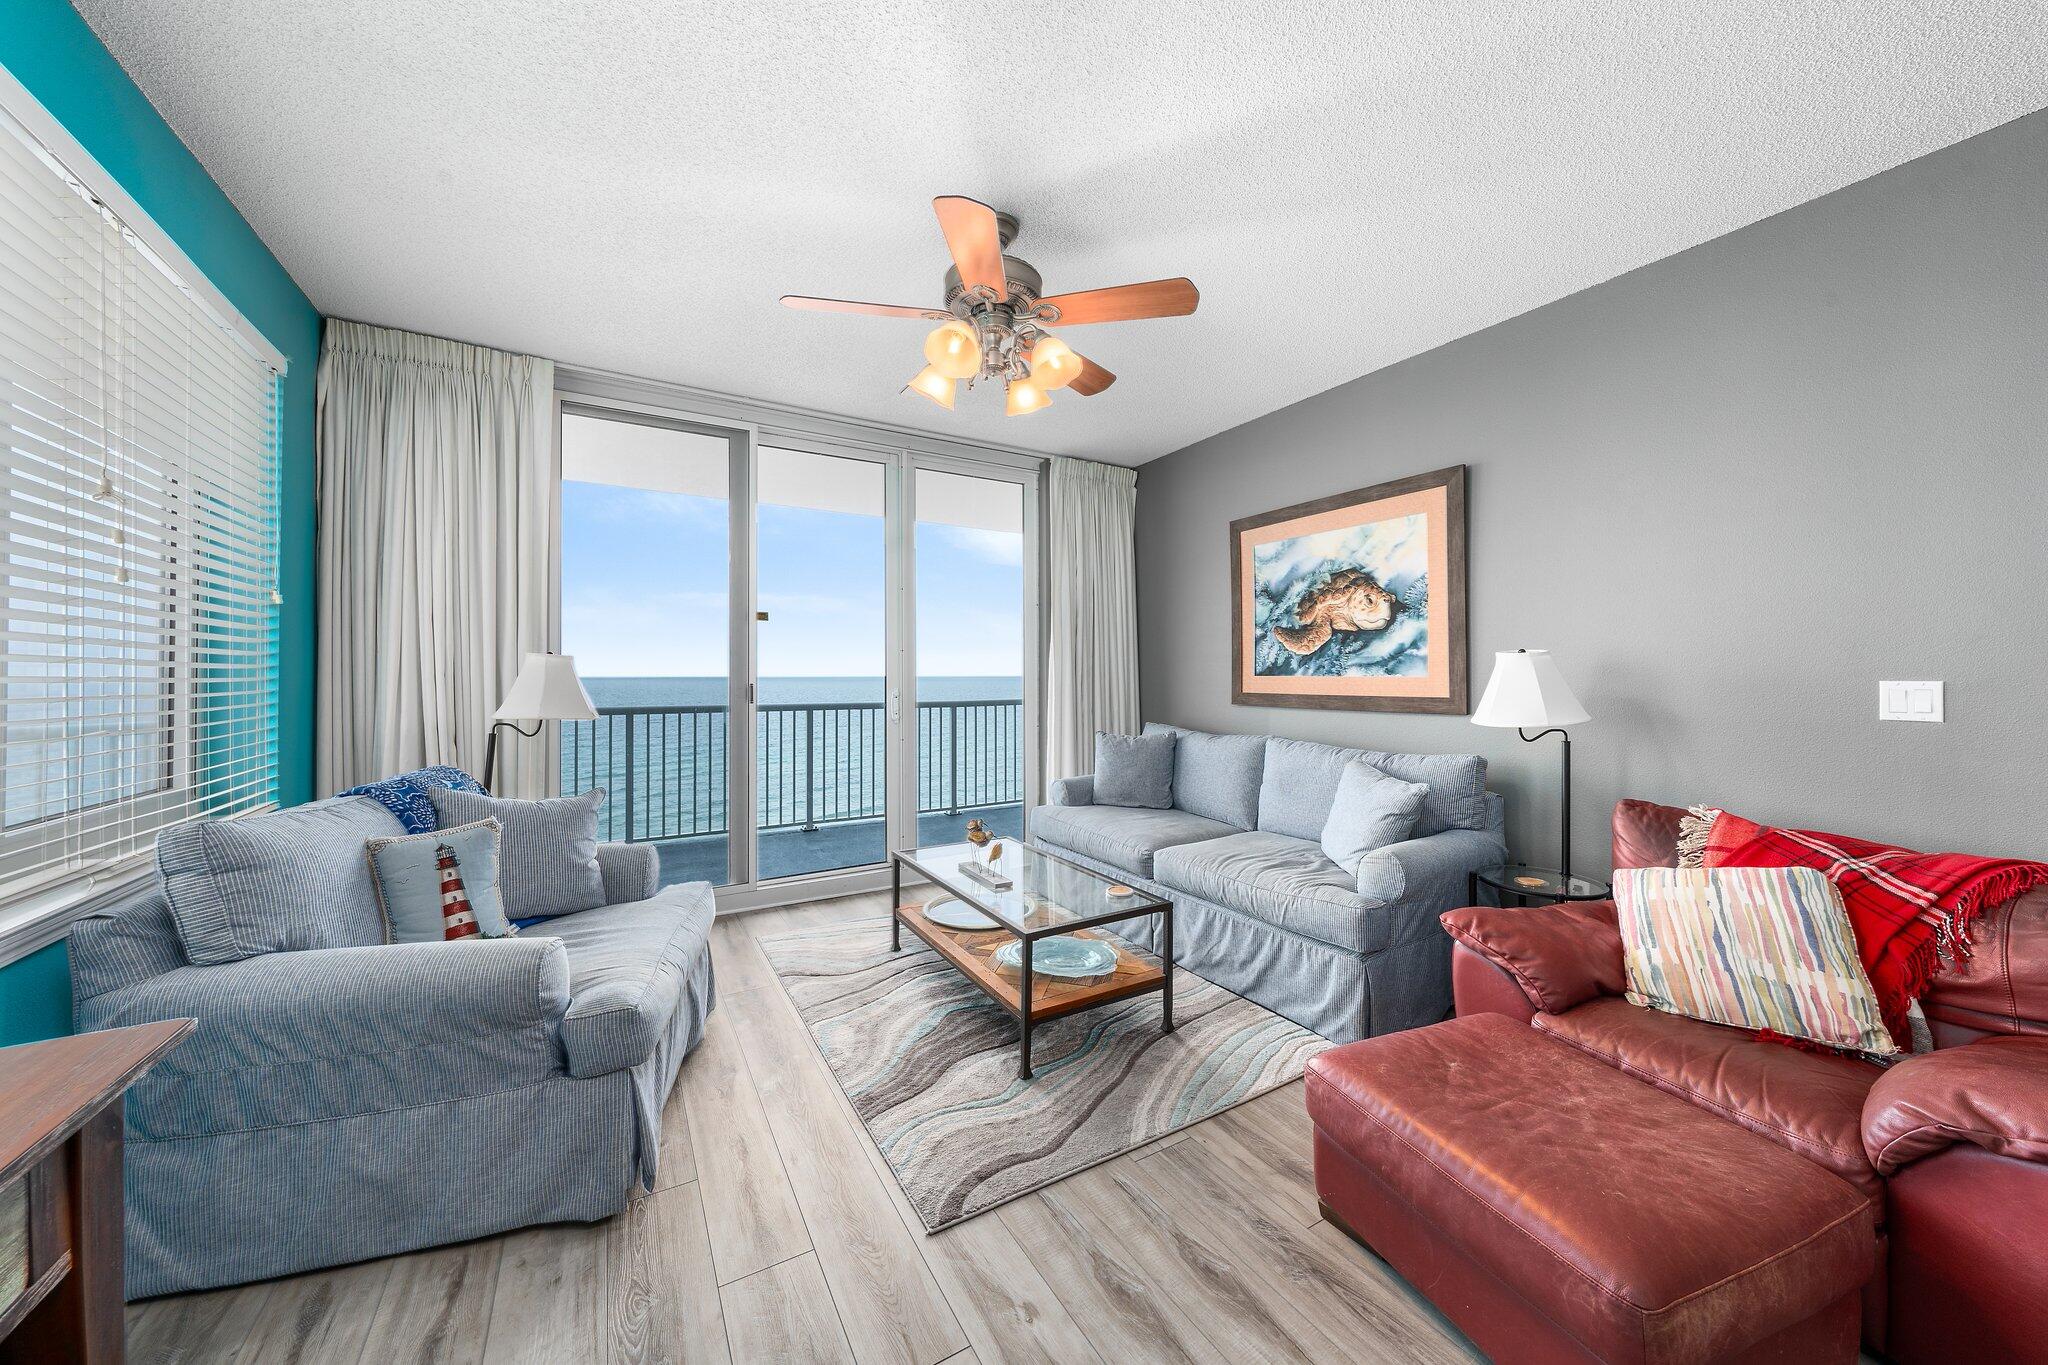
60 1190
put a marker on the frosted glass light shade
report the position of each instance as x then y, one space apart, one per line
1527 691
953 349
1024 396
929 383
547 688
1054 364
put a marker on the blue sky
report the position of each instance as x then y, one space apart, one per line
644 590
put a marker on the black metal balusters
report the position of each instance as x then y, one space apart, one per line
819 764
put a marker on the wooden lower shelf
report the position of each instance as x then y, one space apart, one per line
969 950
25 1302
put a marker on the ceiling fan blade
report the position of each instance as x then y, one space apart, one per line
975 241
1122 303
1092 380
880 310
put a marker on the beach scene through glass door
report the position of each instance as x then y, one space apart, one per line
645 612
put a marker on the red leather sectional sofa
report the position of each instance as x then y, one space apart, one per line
1571 1177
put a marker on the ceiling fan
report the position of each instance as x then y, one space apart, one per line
996 314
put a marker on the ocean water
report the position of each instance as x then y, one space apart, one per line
820 751
780 691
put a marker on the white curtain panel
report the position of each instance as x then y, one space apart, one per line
435 551
1092 645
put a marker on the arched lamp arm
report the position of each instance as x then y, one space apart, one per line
491 745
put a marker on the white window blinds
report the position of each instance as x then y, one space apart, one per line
138 661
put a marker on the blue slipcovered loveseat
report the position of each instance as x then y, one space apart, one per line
362 1098
1260 909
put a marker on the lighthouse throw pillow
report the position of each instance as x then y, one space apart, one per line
441 886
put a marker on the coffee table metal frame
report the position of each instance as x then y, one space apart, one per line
963 887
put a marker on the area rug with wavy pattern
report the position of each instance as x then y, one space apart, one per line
930 1066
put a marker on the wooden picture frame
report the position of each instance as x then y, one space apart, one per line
1355 601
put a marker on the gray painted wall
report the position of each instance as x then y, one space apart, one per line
1731 490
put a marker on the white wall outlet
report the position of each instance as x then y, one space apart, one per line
1909 701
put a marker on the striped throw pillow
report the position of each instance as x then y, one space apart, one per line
1756 947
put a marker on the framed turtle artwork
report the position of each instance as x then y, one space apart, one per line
1354 601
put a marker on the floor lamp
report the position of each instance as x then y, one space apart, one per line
1528 692
547 688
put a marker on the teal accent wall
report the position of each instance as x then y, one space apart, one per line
49 49
35 997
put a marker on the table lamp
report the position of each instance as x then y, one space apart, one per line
1527 691
547 688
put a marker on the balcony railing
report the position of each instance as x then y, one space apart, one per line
666 767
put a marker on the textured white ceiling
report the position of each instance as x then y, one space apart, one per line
630 185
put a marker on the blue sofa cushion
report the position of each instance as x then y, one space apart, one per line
1371 810
1124 837
547 850
1217 776
131 940
1457 788
627 968
1301 777
279 882
1134 770
1288 883
302 1038
1299 786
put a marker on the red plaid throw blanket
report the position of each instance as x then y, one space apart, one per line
1911 912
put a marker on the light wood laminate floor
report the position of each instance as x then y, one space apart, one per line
778 1234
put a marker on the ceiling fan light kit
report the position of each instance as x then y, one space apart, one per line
1054 364
994 323
954 350
1023 397
929 383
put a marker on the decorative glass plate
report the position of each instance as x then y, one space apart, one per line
1060 955
950 912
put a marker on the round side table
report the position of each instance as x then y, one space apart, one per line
1534 884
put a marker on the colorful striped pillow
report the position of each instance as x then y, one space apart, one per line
1756 947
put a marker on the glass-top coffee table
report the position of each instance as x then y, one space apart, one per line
1010 960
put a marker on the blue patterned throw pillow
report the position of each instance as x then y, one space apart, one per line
405 795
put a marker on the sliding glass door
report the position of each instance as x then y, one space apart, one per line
822 638
968 550
647 610
803 651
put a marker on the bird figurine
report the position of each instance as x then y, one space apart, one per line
985 842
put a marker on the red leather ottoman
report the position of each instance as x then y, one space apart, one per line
1557 1210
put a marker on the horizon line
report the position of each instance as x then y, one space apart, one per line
720 677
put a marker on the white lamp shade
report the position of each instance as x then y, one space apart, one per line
1527 691
547 688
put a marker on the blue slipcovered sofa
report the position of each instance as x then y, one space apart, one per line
1258 907
363 1098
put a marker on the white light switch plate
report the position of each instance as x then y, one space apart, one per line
1909 701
